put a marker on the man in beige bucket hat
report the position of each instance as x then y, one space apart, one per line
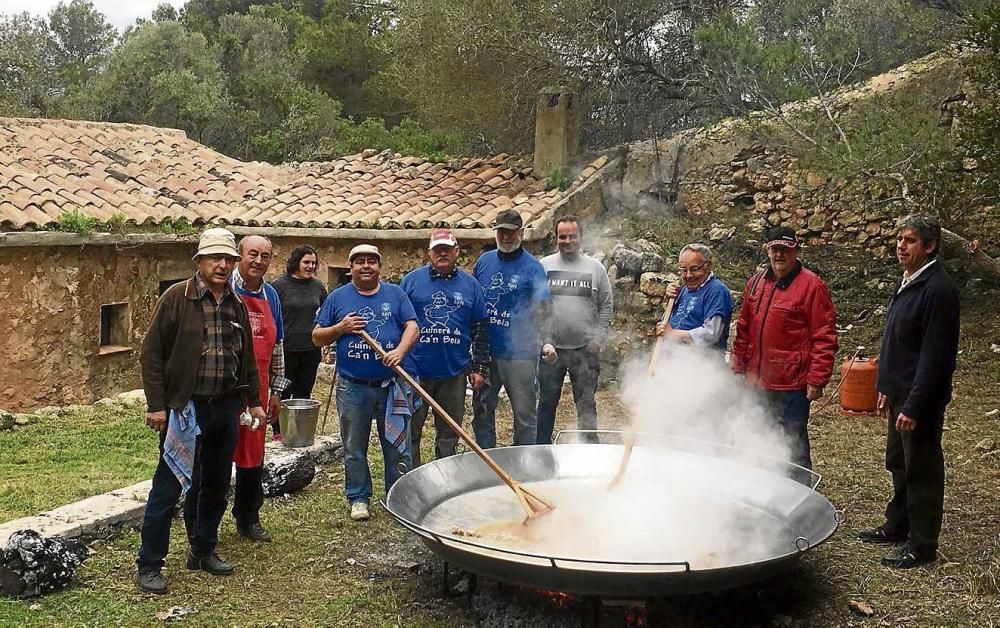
198 370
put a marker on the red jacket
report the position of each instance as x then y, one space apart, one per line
786 334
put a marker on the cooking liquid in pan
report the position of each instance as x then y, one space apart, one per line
658 522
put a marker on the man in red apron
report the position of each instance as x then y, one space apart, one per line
266 328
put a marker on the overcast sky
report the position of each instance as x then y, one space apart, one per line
121 13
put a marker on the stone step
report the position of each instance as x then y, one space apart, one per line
123 507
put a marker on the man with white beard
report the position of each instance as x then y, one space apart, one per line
519 306
582 306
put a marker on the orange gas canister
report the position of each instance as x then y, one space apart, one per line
857 387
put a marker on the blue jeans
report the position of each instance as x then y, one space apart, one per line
357 406
792 409
205 502
519 378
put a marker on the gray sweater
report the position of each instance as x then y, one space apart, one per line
581 300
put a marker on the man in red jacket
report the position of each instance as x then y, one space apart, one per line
786 337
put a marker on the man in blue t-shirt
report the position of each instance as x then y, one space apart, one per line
454 338
519 306
704 305
364 382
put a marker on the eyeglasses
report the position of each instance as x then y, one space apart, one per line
692 270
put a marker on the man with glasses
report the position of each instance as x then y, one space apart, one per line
786 337
704 306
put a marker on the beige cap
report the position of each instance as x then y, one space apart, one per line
217 241
367 249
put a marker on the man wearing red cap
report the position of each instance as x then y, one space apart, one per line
454 338
786 337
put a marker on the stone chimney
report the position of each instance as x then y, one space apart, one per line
557 131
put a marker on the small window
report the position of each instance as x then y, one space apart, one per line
337 276
166 283
116 327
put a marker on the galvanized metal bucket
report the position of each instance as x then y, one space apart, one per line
298 422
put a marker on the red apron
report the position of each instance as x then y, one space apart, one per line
249 452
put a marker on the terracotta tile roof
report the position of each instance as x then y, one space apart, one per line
151 175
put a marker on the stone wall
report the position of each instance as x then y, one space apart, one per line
726 167
50 307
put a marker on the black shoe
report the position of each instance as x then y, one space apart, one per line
151 582
905 557
211 563
880 536
254 532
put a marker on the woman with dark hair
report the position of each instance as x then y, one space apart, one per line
301 296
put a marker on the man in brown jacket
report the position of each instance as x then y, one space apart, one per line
198 370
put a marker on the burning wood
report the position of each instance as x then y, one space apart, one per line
32 565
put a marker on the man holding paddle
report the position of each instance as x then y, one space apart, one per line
703 307
366 386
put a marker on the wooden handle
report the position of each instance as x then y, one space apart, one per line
659 339
471 442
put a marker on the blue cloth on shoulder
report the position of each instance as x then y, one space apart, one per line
180 443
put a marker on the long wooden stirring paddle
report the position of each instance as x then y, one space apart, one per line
650 370
533 505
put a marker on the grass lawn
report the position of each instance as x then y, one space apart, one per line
73 454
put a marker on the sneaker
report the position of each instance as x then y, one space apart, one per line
359 511
906 557
881 536
211 563
254 532
151 582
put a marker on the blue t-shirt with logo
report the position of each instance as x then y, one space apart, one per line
446 309
711 299
511 289
385 312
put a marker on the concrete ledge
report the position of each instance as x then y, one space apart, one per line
105 514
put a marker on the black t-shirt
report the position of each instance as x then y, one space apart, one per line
300 300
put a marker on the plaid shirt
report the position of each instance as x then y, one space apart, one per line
223 343
277 377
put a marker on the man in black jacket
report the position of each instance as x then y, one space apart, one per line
919 349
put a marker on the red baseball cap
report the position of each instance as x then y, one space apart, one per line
442 237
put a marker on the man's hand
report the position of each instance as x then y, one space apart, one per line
157 420
813 392
662 328
394 357
549 355
905 423
595 346
882 405
476 380
258 413
672 291
273 406
350 324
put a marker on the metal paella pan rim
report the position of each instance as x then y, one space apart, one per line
774 496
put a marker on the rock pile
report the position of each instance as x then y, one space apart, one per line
32 565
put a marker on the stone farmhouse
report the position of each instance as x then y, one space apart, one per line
75 303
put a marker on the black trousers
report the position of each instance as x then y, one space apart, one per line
584 367
205 501
300 369
248 496
916 461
